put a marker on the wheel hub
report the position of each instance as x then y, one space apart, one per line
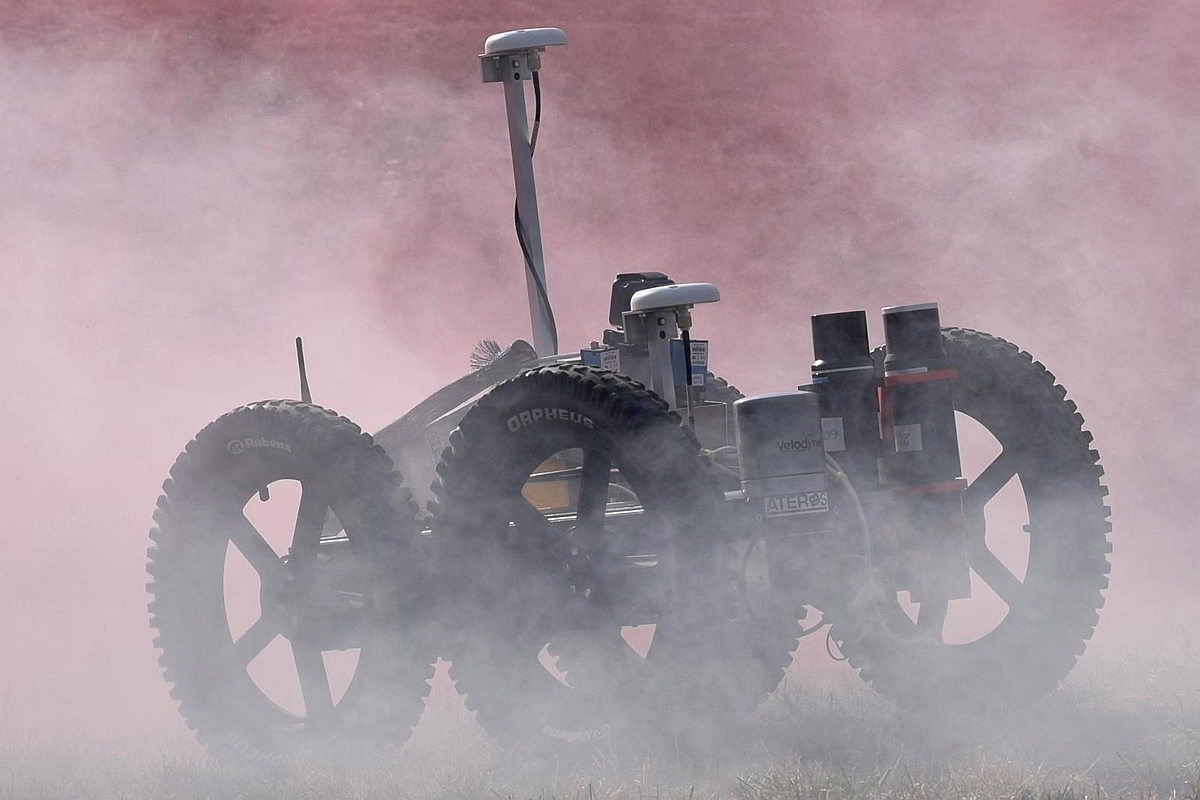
321 601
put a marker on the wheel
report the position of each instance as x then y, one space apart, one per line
1040 623
719 390
596 597
254 663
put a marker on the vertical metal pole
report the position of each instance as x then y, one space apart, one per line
305 394
661 328
522 156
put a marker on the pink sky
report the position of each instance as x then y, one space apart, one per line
185 190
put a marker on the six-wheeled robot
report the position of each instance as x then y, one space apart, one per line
614 538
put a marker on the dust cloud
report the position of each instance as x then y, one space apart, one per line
186 187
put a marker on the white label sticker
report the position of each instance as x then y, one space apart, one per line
610 359
783 505
699 350
833 433
908 437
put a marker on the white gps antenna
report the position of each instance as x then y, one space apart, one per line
511 58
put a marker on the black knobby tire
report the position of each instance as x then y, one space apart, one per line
719 390
200 515
1054 610
512 585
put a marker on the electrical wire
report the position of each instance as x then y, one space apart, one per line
537 113
872 592
868 546
538 283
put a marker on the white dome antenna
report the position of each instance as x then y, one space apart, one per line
523 39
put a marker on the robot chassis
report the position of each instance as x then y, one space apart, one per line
615 539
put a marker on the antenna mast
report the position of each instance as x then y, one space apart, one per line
512 58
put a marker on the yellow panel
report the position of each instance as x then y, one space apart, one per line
550 494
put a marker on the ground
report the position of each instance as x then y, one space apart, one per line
1124 728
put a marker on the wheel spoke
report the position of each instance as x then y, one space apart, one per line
995 574
314 683
597 662
526 515
258 552
931 617
332 528
990 481
310 520
254 640
593 490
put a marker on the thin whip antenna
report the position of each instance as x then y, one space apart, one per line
305 394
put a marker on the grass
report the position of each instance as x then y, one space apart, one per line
1117 730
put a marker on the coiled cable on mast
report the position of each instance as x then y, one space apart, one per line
538 283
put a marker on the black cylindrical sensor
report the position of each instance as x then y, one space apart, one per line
914 337
844 377
921 457
917 402
840 340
